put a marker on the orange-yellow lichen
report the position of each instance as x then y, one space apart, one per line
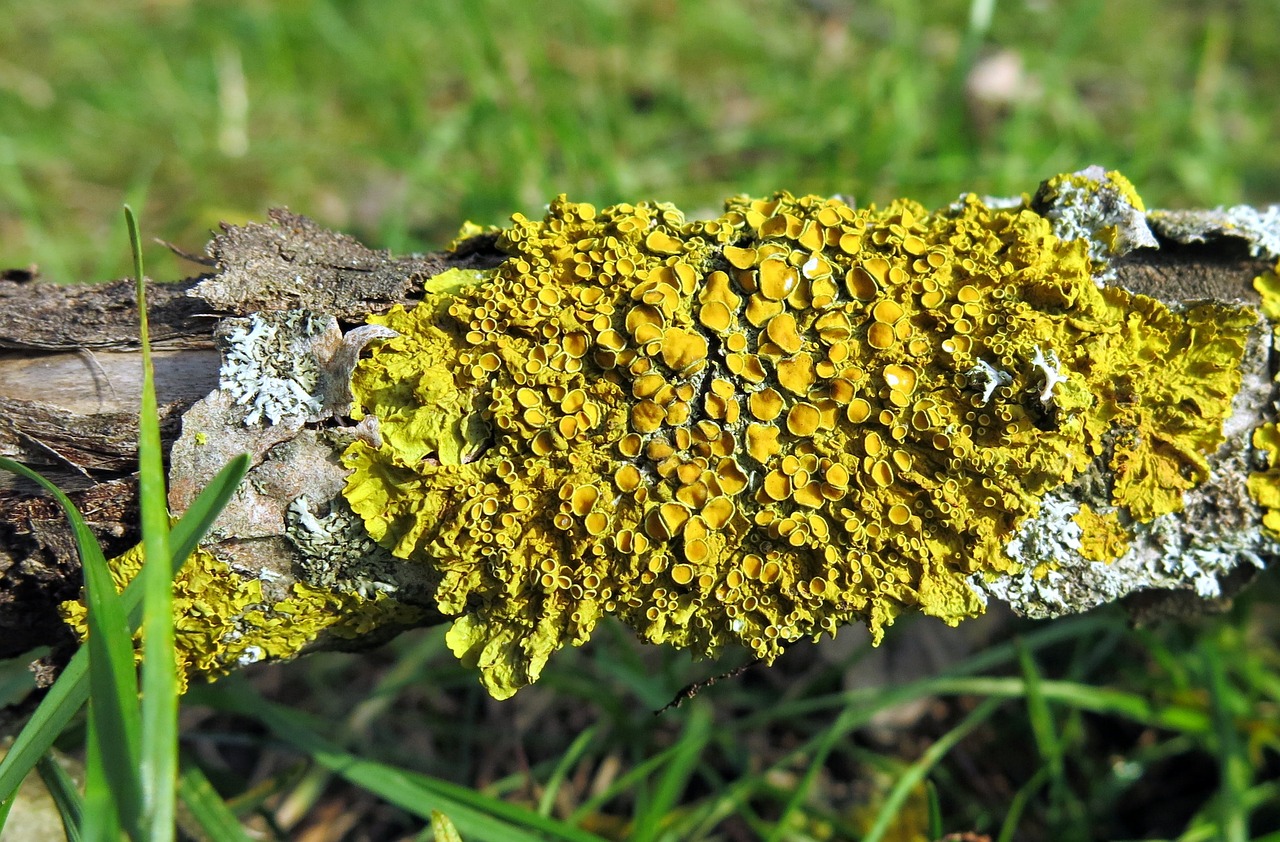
794 416
224 621
1102 536
1264 486
1268 286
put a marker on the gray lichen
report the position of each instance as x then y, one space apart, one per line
1259 228
1044 545
1057 580
336 551
290 366
1099 207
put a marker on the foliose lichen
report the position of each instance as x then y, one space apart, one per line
1264 485
757 428
269 365
337 552
289 367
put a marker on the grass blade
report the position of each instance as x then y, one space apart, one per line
478 817
935 810
113 683
102 819
1013 815
64 698
65 796
1235 769
688 750
442 829
5 806
112 677
920 769
159 748
1049 741
69 693
207 808
579 747
1039 715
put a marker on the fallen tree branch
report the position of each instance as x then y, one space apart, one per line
743 431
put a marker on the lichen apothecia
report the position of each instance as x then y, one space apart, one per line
760 427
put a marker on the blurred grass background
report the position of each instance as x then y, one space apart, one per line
398 120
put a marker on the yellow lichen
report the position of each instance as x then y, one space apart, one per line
1268 286
1264 486
760 427
223 621
1102 536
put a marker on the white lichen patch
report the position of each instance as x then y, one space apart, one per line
1167 556
270 366
291 367
989 378
1051 367
1055 579
1041 545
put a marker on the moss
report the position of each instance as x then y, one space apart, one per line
760 427
224 621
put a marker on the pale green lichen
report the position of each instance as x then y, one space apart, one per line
760 427
336 552
224 621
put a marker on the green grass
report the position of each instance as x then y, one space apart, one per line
398 120
778 753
